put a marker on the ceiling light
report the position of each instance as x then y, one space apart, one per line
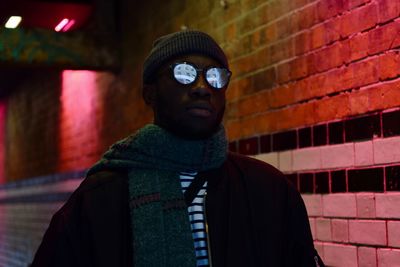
13 22
68 25
61 25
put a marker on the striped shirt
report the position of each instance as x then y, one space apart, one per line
197 219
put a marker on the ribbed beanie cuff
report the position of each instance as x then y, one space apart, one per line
179 44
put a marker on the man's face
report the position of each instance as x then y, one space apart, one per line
192 111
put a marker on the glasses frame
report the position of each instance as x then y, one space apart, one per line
203 71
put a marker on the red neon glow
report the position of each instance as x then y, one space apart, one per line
61 25
3 118
80 117
69 25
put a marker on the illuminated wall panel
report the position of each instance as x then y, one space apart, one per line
79 120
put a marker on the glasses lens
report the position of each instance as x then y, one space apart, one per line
185 73
217 77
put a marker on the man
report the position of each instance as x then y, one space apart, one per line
171 194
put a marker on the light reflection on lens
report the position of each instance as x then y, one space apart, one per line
185 73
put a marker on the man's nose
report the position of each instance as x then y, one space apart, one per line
201 88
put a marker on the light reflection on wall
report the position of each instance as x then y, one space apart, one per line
3 116
79 116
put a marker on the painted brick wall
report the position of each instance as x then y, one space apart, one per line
315 92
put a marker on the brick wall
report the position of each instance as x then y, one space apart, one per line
315 92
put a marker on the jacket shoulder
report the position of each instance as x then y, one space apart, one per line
255 166
100 179
259 174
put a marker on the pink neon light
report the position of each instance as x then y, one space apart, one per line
61 25
3 118
69 25
80 117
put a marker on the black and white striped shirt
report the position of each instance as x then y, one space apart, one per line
197 219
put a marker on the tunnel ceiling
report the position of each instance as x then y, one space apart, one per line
36 44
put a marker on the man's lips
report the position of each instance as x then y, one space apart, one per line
200 110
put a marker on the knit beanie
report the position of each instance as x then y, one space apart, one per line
179 44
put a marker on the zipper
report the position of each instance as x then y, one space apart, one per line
316 261
207 236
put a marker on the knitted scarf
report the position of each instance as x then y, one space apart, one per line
153 159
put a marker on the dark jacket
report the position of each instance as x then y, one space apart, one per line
255 218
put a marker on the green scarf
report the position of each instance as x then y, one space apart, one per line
153 159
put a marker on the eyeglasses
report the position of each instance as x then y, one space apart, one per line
187 73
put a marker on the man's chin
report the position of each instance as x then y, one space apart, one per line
190 132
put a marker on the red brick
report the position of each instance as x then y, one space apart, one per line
253 104
367 232
331 56
389 65
298 68
285 120
270 33
267 122
388 257
340 255
312 227
365 72
303 90
275 9
394 233
299 3
262 12
359 46
237 87
355 3
283 73
365 205
248 126
249 22
317 36
323 229
307 17
296 116
331 108
313 87
367 257
331 83
332 30
240 66
255 40
385 95
294 23
263 80
230 32
319 246
359 20
340 230
313 204
329 8
384 38
231 110
304 114
282 96
312 68
233 129
387 205
388 9
302 43
282 50
346 77
283 27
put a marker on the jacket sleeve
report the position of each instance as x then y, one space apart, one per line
92 228
301 247
56 248
64 243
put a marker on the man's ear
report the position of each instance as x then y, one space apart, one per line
149 94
